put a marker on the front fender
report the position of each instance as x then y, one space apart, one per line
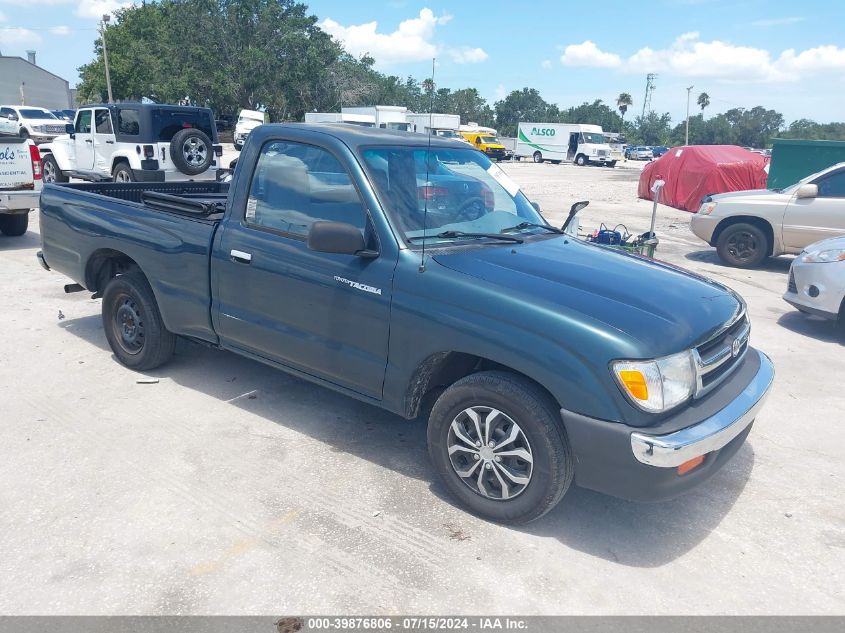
61 152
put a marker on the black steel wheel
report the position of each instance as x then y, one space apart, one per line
742 245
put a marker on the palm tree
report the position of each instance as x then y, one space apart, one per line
622 102
703 101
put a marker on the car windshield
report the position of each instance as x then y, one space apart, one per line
593 137
32 113
444 190
489 140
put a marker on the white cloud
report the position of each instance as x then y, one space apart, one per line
588 54
19 36
411 42
467 55
778 21
59 30
546 63
688 56
98 8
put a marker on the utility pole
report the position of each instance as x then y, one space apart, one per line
686 140
106 18
649 88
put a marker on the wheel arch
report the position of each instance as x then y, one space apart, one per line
105 264
440 370
763 225
119 158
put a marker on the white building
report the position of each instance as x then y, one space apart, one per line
22 82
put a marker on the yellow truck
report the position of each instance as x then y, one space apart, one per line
486 142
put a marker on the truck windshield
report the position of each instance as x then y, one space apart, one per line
490 140
32 113
442 190
594 137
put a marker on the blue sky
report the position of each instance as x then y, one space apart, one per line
782 54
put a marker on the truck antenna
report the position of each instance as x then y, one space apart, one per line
427 158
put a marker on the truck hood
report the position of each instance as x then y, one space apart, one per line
246 126
663 308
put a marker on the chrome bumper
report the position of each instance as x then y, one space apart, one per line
673 449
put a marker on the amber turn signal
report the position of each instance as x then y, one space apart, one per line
692 464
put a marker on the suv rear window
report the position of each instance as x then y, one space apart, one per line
167 122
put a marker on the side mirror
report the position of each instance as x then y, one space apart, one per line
69 129
807 191
536 206
578 206
338 237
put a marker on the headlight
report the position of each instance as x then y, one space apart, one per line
657 385
707 208
824 257
39 128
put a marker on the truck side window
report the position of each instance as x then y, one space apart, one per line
83 122
833 186
102 122
295 185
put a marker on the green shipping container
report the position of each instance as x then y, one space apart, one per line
792 159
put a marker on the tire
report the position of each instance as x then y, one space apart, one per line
24 133
133 324
538 157
122 173
50 171
555 162
541 436
742 245
14 225
238 148
191 151
580 160
612 164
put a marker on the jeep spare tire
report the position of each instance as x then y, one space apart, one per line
191 151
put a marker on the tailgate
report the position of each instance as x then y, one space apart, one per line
15 164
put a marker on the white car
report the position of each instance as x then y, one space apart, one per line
746 227
248 120
817 279
127 142
39 124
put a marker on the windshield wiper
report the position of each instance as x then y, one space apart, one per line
532 225
459 234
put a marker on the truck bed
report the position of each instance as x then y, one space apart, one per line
167 229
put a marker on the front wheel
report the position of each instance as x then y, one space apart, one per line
50 171
580 160
497 442
14 225
538 157
611 163
742 245
133 324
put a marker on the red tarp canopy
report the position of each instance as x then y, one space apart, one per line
693 172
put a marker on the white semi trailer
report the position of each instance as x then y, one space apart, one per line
390 117
444 125
578 143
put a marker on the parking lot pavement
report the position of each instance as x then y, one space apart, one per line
224 486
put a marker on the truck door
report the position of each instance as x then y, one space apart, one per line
572 149
321 313
103 140
809 220
84 140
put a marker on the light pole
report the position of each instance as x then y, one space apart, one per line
686 140
106 19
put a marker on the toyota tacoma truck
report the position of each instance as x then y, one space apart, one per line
20 183
413 274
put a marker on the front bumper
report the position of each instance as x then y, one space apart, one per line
817 288
703 226
641 463
19 201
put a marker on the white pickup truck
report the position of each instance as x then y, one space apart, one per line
20 183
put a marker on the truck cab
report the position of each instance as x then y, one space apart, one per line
128 142
487 143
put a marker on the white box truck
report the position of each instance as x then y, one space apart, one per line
364 120
444 125
390 117
579 143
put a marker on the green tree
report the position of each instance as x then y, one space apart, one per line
652 129
703 101
597 112
623 102
523 105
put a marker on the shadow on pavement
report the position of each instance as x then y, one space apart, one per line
814 327
632 534
709 256
30 239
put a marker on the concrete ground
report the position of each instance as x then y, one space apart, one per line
224 486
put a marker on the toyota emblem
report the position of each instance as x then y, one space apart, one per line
735 346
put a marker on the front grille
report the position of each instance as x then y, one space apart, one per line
791 287
55 129
719 356
602 152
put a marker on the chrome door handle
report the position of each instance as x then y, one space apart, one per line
240 256
110 142
88 140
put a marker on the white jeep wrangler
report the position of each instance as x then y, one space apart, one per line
127 142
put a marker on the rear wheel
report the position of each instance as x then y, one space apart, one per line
122 173
742 245
14 225
498 444
538 157
133 324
